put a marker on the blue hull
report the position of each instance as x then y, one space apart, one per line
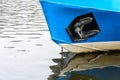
60 13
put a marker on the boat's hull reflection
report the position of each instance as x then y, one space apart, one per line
107 73
87 66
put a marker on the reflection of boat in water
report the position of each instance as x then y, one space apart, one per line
91 24
89 66
76 76
107 73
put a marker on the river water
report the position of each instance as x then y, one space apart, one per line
26 49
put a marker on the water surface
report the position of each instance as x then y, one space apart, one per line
26 49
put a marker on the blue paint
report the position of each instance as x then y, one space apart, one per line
60 13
